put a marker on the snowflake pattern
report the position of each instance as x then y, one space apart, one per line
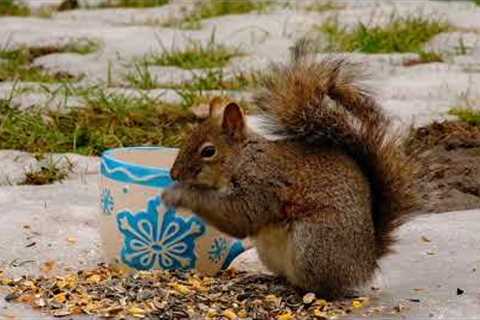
106 202
152 240
217 250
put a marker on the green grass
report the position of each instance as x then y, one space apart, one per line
212 79
430 56
52 171
187 23
13 8
16 70
105 121
467 114
215 79
477 2
193 92
141 78
15 64
81 46
214 8
195 56
400 34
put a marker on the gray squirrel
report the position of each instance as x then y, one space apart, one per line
322 203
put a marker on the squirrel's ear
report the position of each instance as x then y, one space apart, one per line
233 122
216 107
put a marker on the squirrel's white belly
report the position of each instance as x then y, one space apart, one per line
275 251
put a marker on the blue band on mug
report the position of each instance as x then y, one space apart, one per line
126 172
235 250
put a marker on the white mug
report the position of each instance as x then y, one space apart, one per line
138 232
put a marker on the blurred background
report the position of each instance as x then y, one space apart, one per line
81 76
78 77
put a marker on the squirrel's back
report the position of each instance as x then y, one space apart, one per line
322 104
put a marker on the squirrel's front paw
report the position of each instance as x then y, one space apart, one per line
171 196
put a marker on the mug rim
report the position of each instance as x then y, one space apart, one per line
131 172
109 154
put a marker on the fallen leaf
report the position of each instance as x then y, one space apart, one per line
273 299
71 240
95 278
26 298
197 285
242 313
211 313
321 302
48 266
286 316
359 302
320 314
60 298
137 312
230 314
180 288
425 239
62 313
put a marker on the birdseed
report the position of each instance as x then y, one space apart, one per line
108 292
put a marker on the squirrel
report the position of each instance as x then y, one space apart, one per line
321 202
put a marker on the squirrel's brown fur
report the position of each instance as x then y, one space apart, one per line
320 204
293 98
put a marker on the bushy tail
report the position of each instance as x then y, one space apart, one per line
322 103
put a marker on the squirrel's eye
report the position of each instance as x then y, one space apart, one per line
208 151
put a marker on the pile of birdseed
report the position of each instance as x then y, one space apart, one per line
110 293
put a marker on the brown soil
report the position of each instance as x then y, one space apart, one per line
449 154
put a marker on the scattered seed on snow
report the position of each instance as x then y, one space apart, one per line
106 292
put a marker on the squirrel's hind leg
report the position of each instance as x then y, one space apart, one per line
327 260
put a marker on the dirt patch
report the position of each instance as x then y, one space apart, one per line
449 154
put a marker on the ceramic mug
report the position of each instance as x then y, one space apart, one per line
138 232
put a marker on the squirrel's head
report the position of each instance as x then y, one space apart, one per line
208 155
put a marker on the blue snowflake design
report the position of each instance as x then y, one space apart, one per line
217 250
106 202
167 244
